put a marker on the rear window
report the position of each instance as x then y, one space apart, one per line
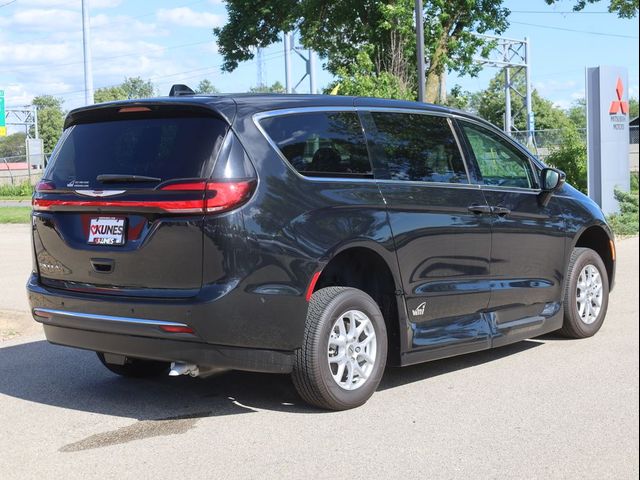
321 143
164 148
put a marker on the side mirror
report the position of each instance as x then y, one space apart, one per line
551 180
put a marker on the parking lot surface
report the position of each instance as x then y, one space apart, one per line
543 408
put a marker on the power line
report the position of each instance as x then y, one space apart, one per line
8 3
560 12
202 70
575 31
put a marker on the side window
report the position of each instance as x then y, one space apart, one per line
416 147
500 163
321 143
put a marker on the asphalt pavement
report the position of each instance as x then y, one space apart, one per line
543 408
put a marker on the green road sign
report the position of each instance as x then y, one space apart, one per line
3 127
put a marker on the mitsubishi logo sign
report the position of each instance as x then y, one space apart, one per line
619 104
607 134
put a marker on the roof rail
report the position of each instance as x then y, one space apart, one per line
179 90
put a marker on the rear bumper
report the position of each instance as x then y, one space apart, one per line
202 354
150 330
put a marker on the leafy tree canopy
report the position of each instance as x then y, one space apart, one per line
205 86
359 79
276 87
12 145
623 8
132 87
50 120
341 29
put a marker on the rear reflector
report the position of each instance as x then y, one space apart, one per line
176 329
41 313
312 286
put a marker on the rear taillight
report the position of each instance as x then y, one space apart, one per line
223 196
45 185
217 196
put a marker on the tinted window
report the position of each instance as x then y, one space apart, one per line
500 163
417 147
158 147
321 143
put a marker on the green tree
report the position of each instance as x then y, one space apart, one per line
571 158
12 145
577 113
50 120
341 29
490 105
130 88
633 107
206 87
276 87
623 8
361 79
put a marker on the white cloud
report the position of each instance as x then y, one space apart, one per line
44 19
34 53
185 17
70 4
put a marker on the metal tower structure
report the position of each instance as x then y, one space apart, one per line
513 56
261 80
26 116
309 59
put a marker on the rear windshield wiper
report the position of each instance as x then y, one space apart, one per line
120 178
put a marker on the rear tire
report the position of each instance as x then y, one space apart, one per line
344 350
586 295
137 368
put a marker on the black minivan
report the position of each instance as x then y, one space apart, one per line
322 236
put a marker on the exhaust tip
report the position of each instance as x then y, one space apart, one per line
179 368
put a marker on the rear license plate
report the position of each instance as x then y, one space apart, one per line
106 231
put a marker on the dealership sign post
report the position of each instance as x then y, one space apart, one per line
607 134
3 125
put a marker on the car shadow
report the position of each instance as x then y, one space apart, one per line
74 379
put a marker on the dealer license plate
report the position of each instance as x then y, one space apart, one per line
106 231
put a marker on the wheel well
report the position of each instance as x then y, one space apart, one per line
364 269
597 239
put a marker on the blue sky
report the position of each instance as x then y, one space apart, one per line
171 42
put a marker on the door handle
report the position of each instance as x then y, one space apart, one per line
479 209
500 211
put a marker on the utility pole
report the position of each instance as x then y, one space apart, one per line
507 101
312 72
287 62
86 46
531 122
420 49
261 77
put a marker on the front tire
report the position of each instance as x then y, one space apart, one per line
586 296
344 350
136 368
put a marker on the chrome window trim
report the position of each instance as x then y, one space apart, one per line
257 117
420 183
106 318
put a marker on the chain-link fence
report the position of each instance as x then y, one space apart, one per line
22 168
545 141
